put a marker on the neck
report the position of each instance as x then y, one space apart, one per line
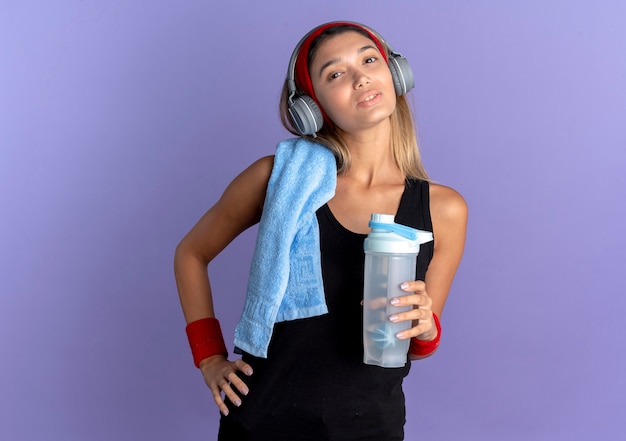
372 157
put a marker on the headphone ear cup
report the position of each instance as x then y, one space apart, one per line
305 115
402 74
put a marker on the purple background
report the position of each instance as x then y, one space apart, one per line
122 121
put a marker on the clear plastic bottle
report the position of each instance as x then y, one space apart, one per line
391 252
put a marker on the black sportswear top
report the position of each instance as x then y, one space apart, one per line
314 384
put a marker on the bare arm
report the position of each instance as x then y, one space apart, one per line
449 217
239 207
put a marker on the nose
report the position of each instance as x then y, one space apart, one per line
360 78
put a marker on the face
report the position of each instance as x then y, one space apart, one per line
352 82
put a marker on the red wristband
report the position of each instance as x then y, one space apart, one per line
205 339
422 348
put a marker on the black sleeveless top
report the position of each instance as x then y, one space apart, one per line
314 384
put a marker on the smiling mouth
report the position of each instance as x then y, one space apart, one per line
370 99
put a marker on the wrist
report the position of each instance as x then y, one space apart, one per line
208 360
430 335
205 339
422 348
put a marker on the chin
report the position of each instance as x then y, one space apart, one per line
364 122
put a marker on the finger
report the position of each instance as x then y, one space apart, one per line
413 286
243 367
416 316
423 327
376 303
217 397
238 383
419 300
228 391
412 315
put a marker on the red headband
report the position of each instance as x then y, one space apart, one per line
302 74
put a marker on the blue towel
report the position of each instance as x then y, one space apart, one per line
286 276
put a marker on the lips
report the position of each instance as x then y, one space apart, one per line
369 98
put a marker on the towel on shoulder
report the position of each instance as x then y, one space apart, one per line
285 280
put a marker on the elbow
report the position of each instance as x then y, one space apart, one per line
179 257
179 253
188 253
184 253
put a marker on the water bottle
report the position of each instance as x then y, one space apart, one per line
391 252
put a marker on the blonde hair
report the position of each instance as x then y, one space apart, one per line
403 137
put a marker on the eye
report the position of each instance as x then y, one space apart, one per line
370 60
334 75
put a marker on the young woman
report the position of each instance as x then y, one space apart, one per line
345 92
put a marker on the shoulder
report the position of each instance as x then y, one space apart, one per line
447 206
262 167
255 175
247 190
238 208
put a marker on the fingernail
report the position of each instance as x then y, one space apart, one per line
394 301
404 286
248 372
244 391
225 412
393 318
400 334
237 403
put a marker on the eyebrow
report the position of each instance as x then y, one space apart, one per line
337 60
